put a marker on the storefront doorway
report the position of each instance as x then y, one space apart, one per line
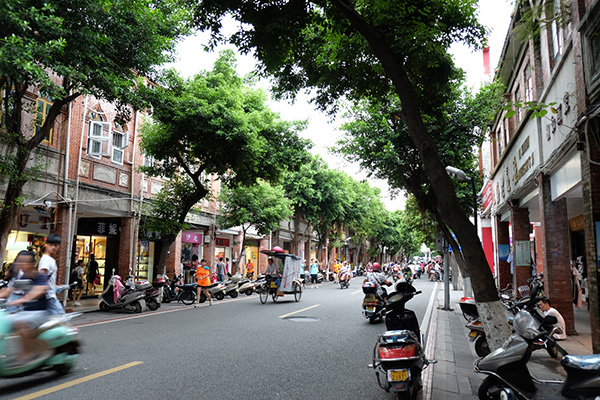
100 237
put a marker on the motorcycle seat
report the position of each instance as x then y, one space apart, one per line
589 362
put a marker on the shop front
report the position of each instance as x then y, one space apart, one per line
191 245
98 237
251 252
223 249
29 233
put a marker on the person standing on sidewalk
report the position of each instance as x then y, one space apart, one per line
220 269
48 267
92 273
203 281
77 276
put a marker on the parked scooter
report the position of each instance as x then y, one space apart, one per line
232 286
168 291
217 290
117 297
399 354
373 304
56 336
150 292
246 286
508 376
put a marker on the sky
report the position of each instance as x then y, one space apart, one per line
322 130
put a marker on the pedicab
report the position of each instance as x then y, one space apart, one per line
288 283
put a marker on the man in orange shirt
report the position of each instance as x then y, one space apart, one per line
203 281
249 270
336 270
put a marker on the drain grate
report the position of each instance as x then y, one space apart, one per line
301 319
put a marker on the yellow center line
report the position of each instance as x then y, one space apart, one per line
299 311
358 291
77 381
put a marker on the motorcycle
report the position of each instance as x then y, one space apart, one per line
399 355
217 290
168 289
477 333
232 286
117 297
246 286
151 293
344 280
56 336
506 368
373 304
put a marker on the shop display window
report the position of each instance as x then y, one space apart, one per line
95 245
145 260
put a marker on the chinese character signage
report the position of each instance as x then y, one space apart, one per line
222 242
191 237
522 253
99 226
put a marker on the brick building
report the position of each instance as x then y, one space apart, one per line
544 173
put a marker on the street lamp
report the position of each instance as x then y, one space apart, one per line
461 176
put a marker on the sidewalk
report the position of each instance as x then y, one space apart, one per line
453 376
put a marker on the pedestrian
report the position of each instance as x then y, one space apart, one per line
547 308
336 270
314 272
92 273
220 267
77 276
250 270
227 267
203 281
48 267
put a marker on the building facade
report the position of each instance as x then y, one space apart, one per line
543 175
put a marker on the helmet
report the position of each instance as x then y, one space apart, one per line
376 267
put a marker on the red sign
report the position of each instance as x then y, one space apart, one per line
222 242
487 195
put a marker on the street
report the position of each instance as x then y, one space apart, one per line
316 348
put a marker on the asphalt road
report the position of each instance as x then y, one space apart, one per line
317 348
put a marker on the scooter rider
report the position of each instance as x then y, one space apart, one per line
377 278
345 270
34 305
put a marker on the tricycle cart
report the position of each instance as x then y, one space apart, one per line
289 281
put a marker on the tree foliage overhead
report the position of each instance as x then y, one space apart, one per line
261 206
61 49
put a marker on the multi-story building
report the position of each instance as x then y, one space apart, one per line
545 173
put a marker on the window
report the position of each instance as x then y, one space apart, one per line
120 140
519 114
557 35
41 112
98 136
528 83
149 161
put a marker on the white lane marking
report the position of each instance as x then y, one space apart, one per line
299 311
427 316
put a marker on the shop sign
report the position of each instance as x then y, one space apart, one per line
220 242
522 253
33 222
99 226
518 165
191 237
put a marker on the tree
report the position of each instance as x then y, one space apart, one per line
59 50
369 49
261 206
213 124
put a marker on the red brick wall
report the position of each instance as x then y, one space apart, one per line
555 245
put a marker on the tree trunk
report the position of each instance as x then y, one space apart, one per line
484 288
164 252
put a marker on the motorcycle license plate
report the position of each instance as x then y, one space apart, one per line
473 334
370 309
396 375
